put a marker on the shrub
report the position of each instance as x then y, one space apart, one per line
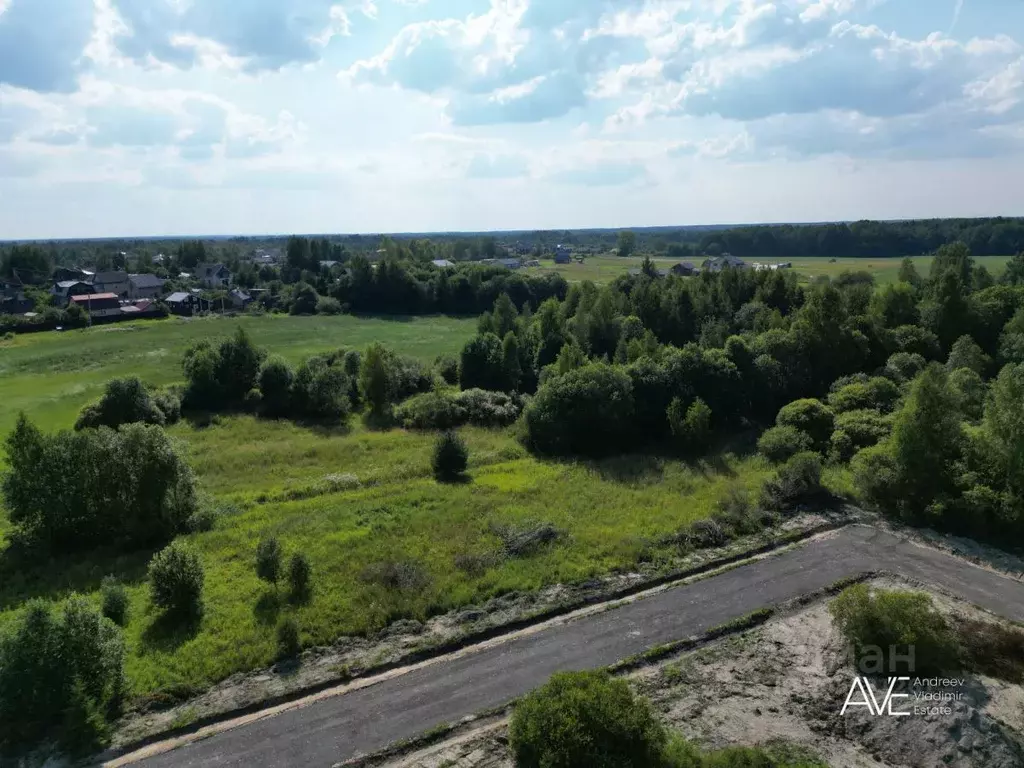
904 366
692 427
276 381
169 405
268 560
328 306
864 428
878 393
300 578
780 444
289 642
221 377
60 676
304 299
71 490
794 482
809 416
736 514
481 363
447 368
176 580
321 391
115 600
877 621
377 382
451 457
399 575
585 720
490 409
434 410
585 411
124 401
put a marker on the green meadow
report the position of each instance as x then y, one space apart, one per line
604 269
385 540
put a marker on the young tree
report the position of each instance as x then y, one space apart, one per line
268 560
300 577
967 354
176 579
276 381
451 457
376 379
510 365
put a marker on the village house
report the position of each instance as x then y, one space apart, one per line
718 263
12 298
214 275
65 289
239 299
145 287
684 269
99 304
111 282
65 274
443 263
183 303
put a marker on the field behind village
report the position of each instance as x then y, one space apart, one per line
605 268
385 540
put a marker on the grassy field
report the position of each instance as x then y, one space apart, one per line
357 502
604 269
51 376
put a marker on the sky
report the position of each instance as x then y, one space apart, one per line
187 117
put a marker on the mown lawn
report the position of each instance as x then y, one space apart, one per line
604 269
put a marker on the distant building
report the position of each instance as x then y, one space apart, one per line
183 303
65 289
443 263
214 275
562 257
145 287
111 282
329 264
99 304
65 274
510 263
531 263
12 298
239 299
683 269
725 261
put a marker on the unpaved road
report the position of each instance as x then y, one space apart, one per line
363 721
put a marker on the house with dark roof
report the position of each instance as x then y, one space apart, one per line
683 269
213 275
145 286
99 304
239 299
12 298
183 303
510 263
725 261
65 289
110 282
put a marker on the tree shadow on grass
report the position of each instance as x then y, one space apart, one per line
631 469
27 572
170 630
267 608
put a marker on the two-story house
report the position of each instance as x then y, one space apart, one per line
213 275
111 282
145 287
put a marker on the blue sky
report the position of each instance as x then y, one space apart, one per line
148 117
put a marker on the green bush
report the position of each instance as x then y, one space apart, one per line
812 417
115 600
966 353
856 430
904 366
447 368
328 306
691 427
780 444
795 482
61 676
586 411
176 580
124 401
72 490
300 578
289 642
585 720
221 377
879 622
878 393
451 457
276 381
170 405
268 560
321 391
447 410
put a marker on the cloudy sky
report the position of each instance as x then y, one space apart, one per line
146 117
